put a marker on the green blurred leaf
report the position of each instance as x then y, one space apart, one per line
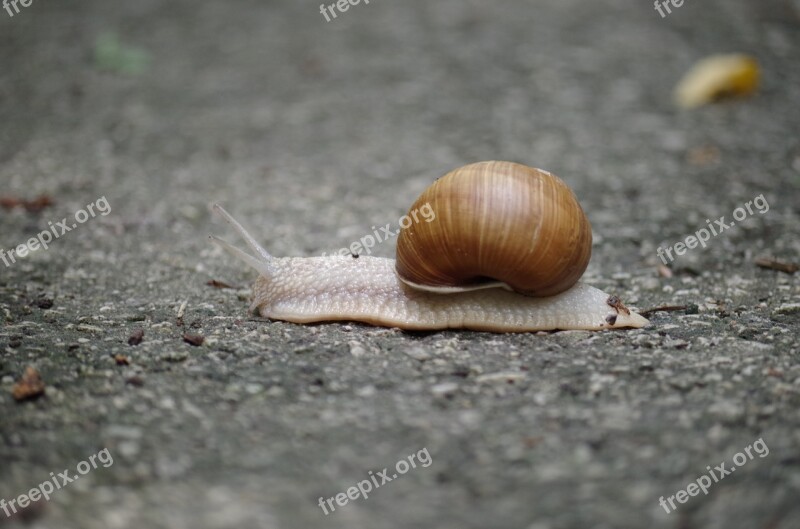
112 55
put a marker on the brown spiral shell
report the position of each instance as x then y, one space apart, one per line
497 221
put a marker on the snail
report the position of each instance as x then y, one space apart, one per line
504 254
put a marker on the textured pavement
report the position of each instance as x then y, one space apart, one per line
311 132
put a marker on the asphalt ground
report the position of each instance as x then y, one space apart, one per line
312 132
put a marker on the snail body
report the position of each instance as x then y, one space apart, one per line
541 228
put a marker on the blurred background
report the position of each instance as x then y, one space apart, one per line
311 132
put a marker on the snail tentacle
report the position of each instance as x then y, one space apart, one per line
263 268
265 256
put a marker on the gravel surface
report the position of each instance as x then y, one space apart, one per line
313 132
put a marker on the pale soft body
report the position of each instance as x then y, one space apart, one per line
367 289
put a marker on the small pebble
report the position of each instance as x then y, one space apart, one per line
444 389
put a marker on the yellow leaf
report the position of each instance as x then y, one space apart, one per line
717 77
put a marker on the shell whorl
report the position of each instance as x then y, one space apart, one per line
497 222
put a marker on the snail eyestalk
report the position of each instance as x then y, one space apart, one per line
243 233
264 265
